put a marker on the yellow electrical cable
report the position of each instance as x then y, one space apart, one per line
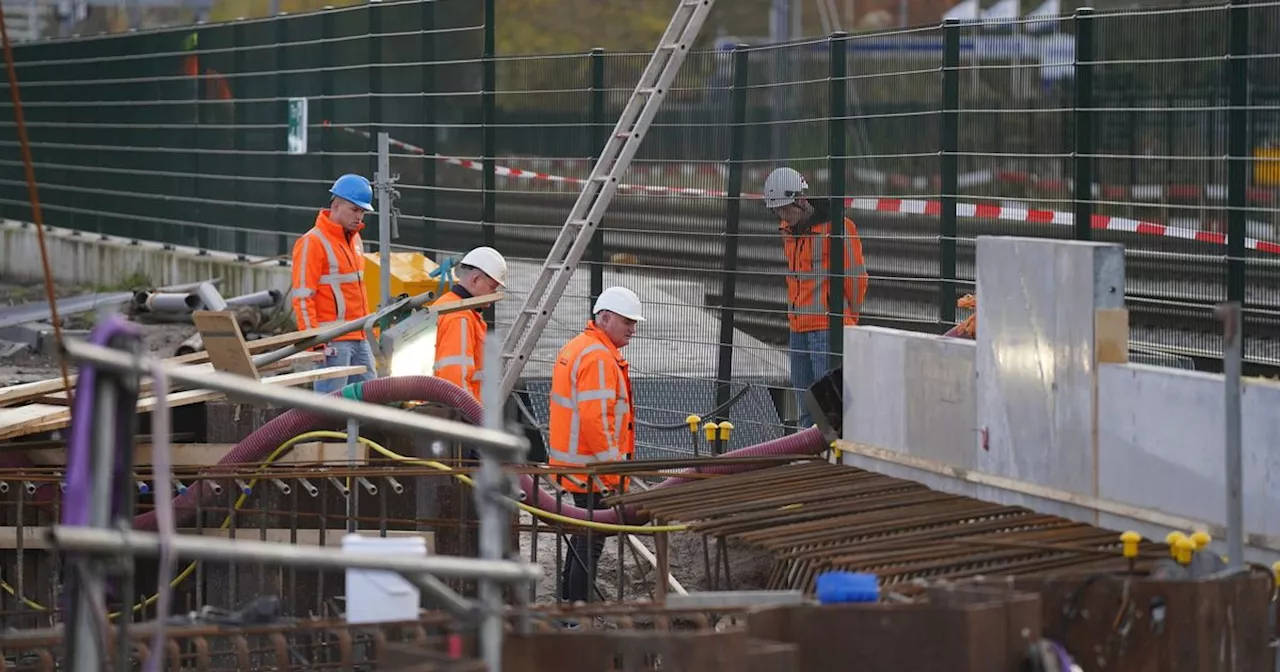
324 434
533 510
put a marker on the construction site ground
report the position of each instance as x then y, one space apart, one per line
26 366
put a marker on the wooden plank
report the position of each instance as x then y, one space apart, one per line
1111 335
224 342
146 386
188 455
34 418
16 394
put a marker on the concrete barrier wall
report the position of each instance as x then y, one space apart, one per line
1030 402
90 259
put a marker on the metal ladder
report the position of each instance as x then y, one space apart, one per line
600 187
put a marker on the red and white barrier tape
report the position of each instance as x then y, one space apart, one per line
904 206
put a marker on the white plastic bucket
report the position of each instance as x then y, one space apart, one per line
375 596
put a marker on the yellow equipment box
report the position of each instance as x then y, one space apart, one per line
410 274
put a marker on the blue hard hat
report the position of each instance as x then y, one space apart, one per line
354 188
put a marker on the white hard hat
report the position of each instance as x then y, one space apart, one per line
619 300
782 187
490 261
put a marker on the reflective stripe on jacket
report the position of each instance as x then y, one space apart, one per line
591 409
328 282
460 346
808 273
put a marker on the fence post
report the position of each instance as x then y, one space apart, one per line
489 161
326 93
374 55
1237 151
728 295
836 241
427 73
949 170
1082 191
282 112
238 143
597 134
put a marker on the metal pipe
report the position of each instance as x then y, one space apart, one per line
1232 356
489 441
193 547
88 640
383 179
210 297
489 504
263 299
164 302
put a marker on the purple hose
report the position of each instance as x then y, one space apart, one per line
77 507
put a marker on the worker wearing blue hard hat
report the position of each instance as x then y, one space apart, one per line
328 278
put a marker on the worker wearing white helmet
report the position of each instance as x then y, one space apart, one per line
460 334
806 229
591 419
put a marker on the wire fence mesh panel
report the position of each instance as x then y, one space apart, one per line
924 137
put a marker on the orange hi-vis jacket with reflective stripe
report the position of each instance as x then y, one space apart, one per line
460 345
328 280
808 263
591 411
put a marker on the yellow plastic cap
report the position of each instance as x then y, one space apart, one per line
1185 548
726 428
1172 540
1130 539
1201 539
693 421
710 429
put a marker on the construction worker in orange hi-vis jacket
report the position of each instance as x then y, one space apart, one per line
591 419
806 229
460 334
328 278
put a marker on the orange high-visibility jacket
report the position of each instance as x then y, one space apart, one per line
328 281
460 346
591 412
808 263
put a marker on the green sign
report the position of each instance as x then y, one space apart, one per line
297 125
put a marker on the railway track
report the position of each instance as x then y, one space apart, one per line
1172 284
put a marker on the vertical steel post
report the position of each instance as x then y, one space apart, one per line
238 142
353 490
599 127
1082 191
383 179
282 112
88 645
488 112
733 214
427 75
327 87
491 509
1232 356
1237 150
837 240
949 170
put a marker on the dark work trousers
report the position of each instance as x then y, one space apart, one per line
574 585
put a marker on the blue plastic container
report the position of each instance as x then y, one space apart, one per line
846 587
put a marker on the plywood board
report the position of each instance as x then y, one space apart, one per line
224 342
35 418
1111 335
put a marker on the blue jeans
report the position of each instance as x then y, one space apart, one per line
808 364
347 353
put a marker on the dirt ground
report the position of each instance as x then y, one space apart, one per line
748 568
158 339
